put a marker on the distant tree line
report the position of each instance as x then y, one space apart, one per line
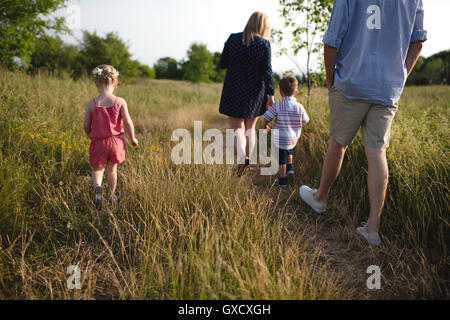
52 54
431 70
58 58
31 41
201 66
26 43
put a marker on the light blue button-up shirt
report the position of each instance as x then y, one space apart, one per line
372 38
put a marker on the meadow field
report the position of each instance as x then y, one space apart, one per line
200 231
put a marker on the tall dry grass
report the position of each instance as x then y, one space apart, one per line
201 232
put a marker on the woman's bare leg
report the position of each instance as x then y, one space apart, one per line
238 125
250 133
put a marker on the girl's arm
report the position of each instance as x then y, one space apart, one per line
88 118
128 123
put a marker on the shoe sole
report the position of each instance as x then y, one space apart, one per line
363 236
315 210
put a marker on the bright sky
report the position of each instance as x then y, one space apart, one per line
160 28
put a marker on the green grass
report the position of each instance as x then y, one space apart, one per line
199 231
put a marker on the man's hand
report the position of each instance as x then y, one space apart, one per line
267 129
270 102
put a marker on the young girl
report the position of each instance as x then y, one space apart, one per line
104 120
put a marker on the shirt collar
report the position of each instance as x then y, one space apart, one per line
290 99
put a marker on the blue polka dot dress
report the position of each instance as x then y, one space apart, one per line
249 78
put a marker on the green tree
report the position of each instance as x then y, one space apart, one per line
110 49
200 64
147 72
218 75
168 68
434 70
21 22
431 70
305 37
52 54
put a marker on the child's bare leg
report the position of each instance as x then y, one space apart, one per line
111 173
290 159
282 170
97 176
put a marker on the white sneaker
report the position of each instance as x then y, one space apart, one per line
372 238
307 194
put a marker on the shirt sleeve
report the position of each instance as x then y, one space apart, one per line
338 25
271 113
268 74
419 34
225 57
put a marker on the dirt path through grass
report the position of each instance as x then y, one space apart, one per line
344 255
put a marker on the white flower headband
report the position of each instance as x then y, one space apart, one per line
115 74
98 72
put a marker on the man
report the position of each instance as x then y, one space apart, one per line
371 46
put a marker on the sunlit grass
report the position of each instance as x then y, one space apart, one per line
200 232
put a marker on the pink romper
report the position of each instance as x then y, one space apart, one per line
107 142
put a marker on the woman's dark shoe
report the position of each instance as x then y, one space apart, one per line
243 168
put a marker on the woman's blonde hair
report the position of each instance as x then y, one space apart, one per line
105 74
257 25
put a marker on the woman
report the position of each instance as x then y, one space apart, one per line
248 88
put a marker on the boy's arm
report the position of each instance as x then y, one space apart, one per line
88 118
269 115
128 123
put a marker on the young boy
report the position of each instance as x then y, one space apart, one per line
290 118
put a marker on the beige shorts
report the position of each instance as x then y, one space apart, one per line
347 116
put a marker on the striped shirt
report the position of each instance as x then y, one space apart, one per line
290 118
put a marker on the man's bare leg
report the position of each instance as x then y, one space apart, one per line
331 167
377 181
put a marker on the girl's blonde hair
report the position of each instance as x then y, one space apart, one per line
257 25
105 74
